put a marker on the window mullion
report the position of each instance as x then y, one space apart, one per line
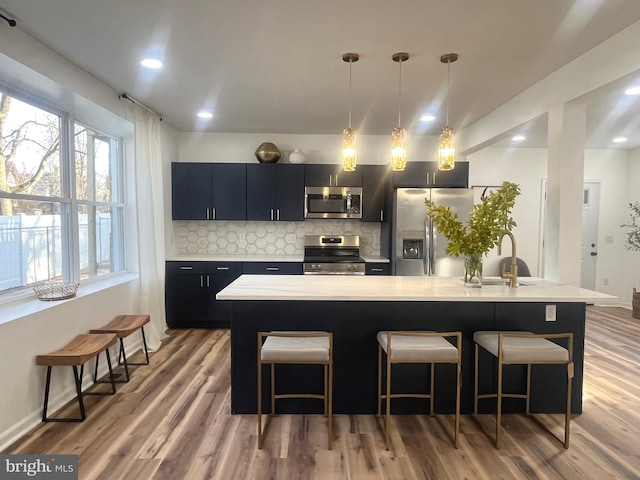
72 242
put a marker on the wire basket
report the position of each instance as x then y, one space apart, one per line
49 291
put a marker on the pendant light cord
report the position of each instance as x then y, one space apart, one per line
448 88
399 92
350 62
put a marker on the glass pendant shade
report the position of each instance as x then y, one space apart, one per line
447 147
446 150
398 149
349 151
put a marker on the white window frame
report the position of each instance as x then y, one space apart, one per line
68 201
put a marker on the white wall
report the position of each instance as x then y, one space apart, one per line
30 65
527 168
616 170
631 259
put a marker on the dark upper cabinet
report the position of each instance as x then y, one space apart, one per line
208 191
275 192
456 178
374 190
426 174
324 175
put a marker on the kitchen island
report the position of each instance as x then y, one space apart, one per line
355 308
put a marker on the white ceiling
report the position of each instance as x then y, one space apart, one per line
276 66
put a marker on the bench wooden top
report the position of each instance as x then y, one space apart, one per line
82 348
123 325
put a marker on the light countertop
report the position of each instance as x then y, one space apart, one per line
254 258
397 288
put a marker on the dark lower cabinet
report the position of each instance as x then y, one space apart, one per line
377 268
190 293
272 268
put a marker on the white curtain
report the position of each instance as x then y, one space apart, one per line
149 205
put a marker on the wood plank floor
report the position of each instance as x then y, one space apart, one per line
172 421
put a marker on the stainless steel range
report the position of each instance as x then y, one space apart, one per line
333 255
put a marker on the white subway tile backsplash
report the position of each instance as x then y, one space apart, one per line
272 238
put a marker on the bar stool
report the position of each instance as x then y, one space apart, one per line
308 348
418 347
523 348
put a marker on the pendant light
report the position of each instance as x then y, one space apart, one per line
399 134
349 150
446 147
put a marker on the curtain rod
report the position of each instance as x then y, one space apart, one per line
6 17
135 102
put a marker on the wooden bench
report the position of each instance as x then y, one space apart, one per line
123 326
82 348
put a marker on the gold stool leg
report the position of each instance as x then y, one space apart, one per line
431 392
330 402
457 420
379 380
388 404
499 405
475 384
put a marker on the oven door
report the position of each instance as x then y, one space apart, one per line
333 202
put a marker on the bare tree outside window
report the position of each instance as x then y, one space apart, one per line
38 238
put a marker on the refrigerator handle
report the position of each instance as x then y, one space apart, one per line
432 250
426 255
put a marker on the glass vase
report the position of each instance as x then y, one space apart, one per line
473 270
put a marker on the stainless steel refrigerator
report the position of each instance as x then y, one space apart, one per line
418 247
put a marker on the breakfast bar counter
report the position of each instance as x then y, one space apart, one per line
355 308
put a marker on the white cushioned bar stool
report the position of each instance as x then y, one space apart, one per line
307 348
523 348
417 347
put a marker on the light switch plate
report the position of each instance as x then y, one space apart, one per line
291 238
550 313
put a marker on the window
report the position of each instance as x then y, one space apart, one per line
61 197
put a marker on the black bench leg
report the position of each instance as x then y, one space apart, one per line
146 352
78 381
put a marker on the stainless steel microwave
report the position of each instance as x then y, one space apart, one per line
333 202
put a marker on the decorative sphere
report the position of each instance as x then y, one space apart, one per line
267 152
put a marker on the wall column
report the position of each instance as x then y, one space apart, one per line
565 178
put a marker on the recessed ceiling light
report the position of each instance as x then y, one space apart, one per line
619 140
518 138
632 91
151 63
427 118
205 114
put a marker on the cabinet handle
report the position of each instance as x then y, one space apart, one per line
273 269
382 215
213 214
376 269
207 281
278 214
222 268
207 214
434 178
271 214
428 178
201 281
186 268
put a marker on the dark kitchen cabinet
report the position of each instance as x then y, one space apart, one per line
324 175
374 190
275 192
208 191
426 174
190 293
456 178
272 268
377 268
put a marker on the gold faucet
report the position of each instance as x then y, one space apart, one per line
513 274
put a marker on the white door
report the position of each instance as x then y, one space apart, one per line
589 251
